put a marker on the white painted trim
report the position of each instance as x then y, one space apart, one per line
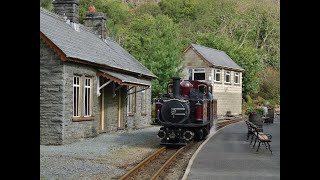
201 70
89 96
235 77
100 87
102 111
214 75
225 76
78 99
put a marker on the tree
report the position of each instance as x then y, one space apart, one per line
246 57
154 42
46 4
270 87
179 9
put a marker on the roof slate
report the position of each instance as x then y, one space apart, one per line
87 46
216 57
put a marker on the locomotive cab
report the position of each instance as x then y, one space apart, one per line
185 112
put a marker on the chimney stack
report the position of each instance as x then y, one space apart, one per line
96 21
69 8
176 87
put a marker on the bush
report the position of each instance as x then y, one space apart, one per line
254 110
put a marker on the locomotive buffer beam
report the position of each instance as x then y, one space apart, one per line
190 125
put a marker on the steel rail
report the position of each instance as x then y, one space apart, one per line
157 174
134 170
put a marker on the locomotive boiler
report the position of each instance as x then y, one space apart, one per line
186 112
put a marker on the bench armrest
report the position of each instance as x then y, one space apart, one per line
269 136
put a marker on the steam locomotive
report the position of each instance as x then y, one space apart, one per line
186 112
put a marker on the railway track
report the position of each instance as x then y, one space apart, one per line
223 123
154 165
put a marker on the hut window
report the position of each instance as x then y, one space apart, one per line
217 75
198 74
227 77
236 78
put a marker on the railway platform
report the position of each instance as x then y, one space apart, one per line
228 155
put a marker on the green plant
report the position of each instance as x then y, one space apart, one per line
254 110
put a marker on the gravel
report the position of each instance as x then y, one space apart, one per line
107 156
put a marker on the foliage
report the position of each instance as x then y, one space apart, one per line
46 4
245 57
156 34
179 9
254 110
270 87
150 40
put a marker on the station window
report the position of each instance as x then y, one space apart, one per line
131 101
143 102
76 96
82 96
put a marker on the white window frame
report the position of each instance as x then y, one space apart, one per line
198 70
215 75
87 97
225 76
76 105
143 102
236 76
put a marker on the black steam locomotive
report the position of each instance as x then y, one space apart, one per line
186 112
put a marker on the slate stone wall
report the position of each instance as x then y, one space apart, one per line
51 97
74 131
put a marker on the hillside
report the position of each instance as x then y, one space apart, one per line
157 33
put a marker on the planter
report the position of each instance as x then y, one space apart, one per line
257 120
270 116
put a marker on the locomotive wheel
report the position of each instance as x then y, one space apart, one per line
205 134
199 135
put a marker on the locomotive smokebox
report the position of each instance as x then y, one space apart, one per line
176 87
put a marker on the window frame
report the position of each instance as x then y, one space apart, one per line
197 71
225 77
143 102
236 76
81 99
77 103
215 75
87 102
131 101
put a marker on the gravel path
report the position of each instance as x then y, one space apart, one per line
107 156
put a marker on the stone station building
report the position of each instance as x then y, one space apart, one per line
89 84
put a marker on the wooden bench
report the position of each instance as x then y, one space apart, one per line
259 136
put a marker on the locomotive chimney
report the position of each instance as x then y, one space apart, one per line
176 87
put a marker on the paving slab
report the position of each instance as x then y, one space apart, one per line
227 155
